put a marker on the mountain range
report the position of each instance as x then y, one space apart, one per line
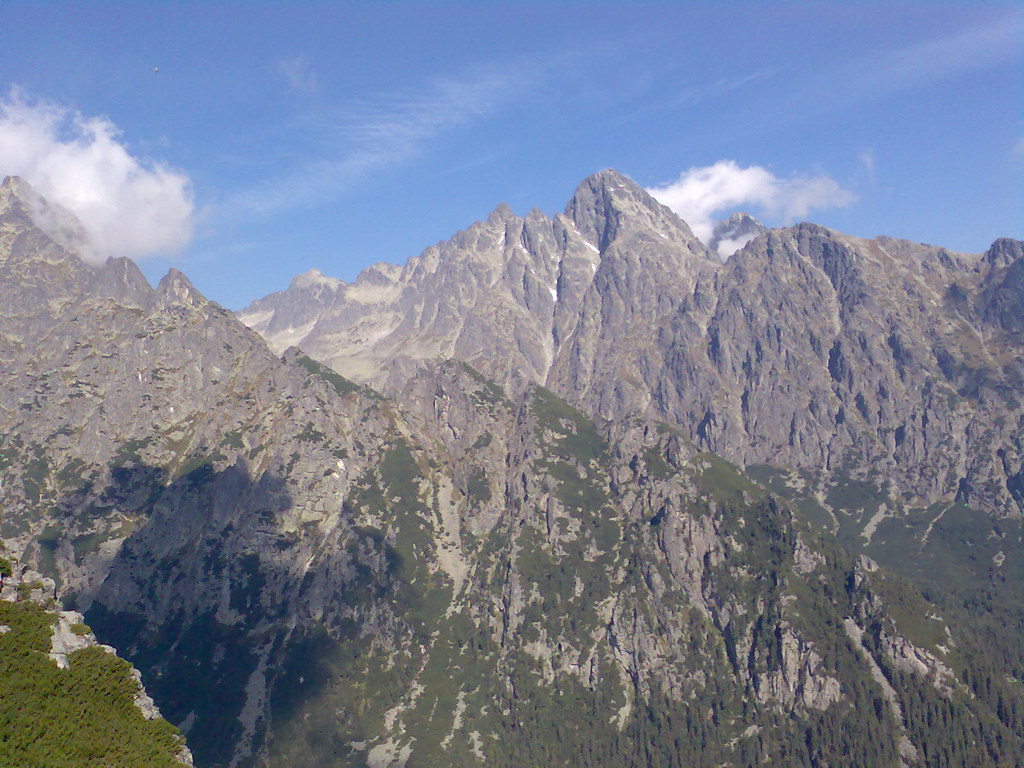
566 491
807 349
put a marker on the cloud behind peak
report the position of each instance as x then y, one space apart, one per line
127 206
701 194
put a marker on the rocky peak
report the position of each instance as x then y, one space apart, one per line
176 290
733 233
501 213
506 283
22 207
1004 252
380 273
15 204
16 193
121 280
1002 289
12 190
608 204
315 278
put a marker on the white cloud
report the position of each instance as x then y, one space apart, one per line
727 246
298 74
918 63
1018 149
127 206
993 42
699 195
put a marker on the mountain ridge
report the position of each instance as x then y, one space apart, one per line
612 342
310 572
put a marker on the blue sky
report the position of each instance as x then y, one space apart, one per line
279 137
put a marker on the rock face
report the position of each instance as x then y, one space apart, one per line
150 423
475 572
287 317
810 349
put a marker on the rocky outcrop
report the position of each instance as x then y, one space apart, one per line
70 634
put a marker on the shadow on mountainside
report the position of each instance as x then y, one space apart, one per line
189 597
237 623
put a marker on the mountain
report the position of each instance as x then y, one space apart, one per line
511 285
731 234
286 317
468 568
882 365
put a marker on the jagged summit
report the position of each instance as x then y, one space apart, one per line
731 234
314 277
521 283
606 202
14 185
609 178
601 188
15 194
175 288
618 307
501 213
20 202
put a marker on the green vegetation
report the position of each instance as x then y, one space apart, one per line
66 718
311 434
724 481
478 488
233 439
491 394
341 385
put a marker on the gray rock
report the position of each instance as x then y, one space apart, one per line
809 349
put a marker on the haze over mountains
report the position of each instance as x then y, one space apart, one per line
558 491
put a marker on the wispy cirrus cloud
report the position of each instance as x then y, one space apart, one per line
340 146
298 74
917 64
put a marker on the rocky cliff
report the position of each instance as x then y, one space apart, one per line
731 234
